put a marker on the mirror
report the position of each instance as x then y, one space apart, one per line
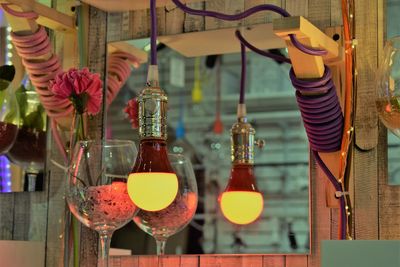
281 168
22 128
393 29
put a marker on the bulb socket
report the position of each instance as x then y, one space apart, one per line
242 142
152 103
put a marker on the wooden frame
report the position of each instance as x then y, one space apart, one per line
375 204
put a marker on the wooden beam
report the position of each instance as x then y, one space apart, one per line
141 55
48 17
126 5
221 41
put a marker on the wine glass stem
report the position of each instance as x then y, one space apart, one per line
161 246
104 248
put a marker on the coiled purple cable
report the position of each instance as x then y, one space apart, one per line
321 112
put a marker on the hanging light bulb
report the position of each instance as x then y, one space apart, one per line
152 185
241 202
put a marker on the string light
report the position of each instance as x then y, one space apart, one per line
9 47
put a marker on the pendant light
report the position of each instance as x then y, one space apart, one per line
241 202
197 93
152 185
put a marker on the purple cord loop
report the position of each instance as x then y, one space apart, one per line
19 14
259 51
305 49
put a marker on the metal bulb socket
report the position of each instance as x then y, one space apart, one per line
242 142
152 103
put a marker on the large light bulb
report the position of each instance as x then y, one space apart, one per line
152 185
241 202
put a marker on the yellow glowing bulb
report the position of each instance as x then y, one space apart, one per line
152 191
241 207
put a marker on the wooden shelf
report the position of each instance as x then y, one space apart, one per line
127 5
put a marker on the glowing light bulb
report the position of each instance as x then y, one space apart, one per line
241 203
152 185
153 191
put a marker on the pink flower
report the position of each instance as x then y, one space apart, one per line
132 110
82 87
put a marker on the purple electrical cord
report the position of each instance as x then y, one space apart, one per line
243 74
248 12
338 187
153 36
321 112
323 121
259 51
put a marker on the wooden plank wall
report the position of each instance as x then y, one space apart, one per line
376 214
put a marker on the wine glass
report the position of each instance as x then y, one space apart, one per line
167 222
96 193
9 117
388 86
29 148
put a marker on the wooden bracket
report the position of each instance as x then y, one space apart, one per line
307 66
304 65
48 17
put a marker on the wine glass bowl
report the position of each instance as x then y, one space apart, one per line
172 219
9 117
96 190
388 86
29 149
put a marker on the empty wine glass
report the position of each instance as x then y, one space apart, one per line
167 222
29 148
388 86
9 111
96 193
